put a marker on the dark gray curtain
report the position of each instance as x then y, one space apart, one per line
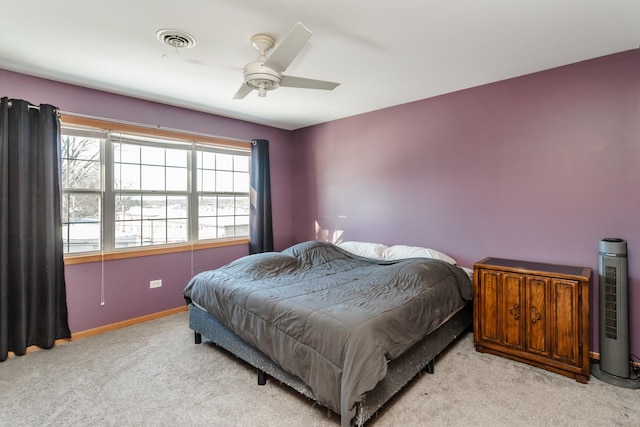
260 229
33 308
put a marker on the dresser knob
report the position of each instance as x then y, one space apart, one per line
536 315
515 311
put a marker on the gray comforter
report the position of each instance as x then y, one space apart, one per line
331 318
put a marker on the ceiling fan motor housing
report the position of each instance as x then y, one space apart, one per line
259 77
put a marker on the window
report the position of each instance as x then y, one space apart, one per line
127 190
82 191
223 210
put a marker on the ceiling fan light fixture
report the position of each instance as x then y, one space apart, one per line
262 84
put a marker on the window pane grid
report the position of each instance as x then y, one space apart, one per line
223 215
223 194
150 219
150 168
82 184
150 192
81 222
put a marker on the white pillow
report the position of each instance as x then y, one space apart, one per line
403 251
364 249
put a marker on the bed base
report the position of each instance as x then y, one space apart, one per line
400 371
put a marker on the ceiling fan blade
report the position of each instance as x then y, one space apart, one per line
178 57
289 48
242 92
300 82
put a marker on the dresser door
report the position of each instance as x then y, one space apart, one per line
512 298
564 322
489 304
537 316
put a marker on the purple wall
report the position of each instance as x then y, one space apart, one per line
126 282
539 167
126 285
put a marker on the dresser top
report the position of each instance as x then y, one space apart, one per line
516 265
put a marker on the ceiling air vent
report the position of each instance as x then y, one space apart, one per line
176 38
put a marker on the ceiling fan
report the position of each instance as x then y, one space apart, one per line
264 74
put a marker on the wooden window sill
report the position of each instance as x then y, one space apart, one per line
72 259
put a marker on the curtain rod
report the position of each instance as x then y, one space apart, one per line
144 125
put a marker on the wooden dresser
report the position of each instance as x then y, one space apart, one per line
534 313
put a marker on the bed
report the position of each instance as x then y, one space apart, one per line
345 330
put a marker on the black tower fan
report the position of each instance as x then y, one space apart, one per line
614 367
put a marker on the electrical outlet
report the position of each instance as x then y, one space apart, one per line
155 284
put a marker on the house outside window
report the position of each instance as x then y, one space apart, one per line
129 190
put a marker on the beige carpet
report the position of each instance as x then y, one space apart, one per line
153 375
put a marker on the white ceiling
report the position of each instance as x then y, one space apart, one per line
382 53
